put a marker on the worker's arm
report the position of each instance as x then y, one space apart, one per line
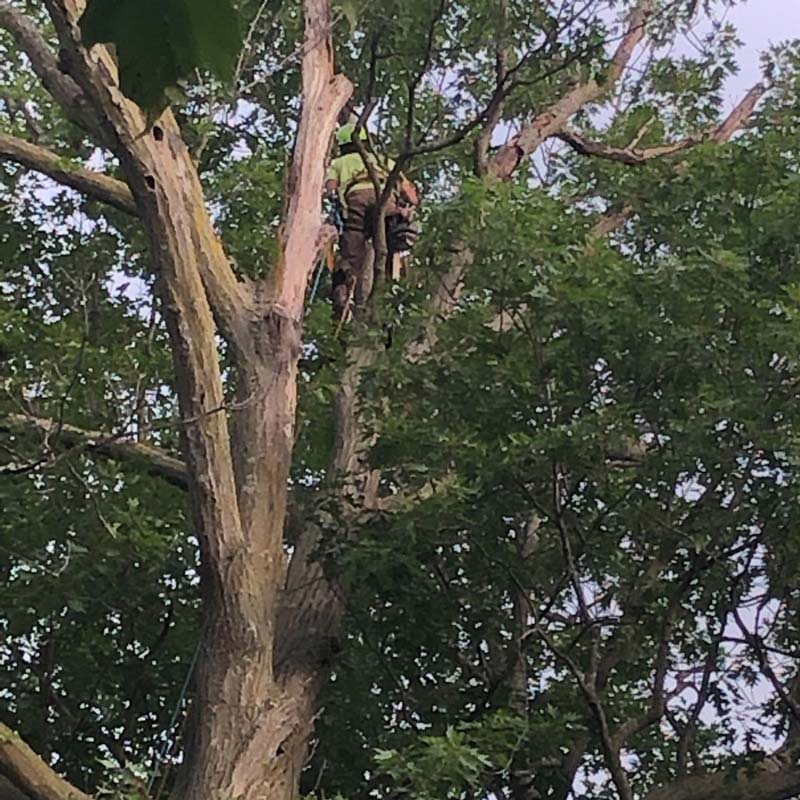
332 178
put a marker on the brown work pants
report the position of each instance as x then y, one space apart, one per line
353 276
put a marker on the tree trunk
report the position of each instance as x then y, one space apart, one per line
248 734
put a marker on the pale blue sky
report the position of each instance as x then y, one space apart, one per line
760 23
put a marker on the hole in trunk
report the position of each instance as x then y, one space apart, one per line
158 133
150 181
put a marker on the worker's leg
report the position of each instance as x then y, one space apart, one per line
357 228
353 249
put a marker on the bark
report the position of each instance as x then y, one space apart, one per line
25 776
10 792
248 736
777 777
313 603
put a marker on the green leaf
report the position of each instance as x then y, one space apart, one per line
159 42
349 9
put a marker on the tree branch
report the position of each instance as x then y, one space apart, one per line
631 155
29 774
495 109
324 95
155 461
444 298
61 87
93 184
776 777
506 160
722 133
162 177
635 156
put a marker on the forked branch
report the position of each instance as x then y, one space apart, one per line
636 156
735 121
505 161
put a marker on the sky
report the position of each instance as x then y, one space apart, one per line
760 23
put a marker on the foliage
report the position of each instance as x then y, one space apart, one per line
159 42
609 470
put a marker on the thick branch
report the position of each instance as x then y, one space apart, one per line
777 777
93 184
324 95
26 772
506 160
633 156
61 87
163 179
740 114
444 298
154 460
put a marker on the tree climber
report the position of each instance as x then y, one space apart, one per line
349 183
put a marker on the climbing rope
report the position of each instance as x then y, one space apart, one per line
173 719
317 278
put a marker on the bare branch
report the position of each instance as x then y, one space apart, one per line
550 122
738 118
612 221
324 95
93 184
29 774
635 156
631 155
156 461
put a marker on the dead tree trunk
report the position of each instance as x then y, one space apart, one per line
248 733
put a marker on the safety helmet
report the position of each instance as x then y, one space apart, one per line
345 134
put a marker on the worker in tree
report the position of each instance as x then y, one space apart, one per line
349 181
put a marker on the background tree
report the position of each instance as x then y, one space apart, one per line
542 544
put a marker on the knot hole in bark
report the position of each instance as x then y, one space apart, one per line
150 181
281 335
158 133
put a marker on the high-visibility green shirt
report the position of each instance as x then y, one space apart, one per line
350 173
